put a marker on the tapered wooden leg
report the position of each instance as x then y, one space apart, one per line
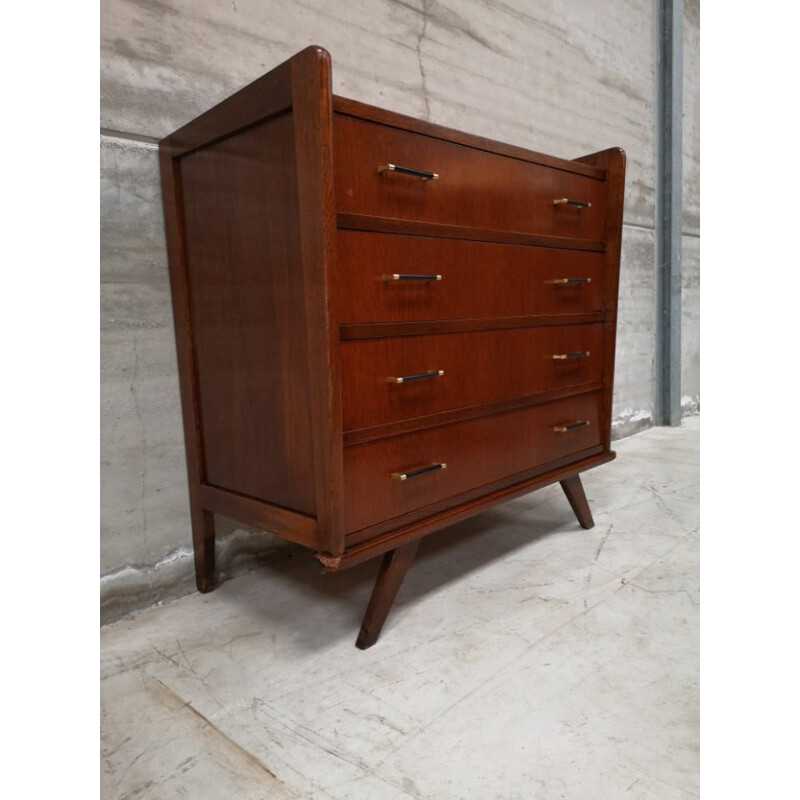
573 489
393 569
204 545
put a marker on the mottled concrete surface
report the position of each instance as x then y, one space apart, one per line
525 658
690 299
566 78
555 77
690 329
691 117
634 386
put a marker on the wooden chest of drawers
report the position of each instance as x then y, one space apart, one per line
383 325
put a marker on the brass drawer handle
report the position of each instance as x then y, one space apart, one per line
561 281
410 277
419 173
565 201
402 476
571 426
564 356
434 373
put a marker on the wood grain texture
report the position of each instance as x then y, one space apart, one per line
388 330
362 435
354 108
474 189
283 522
393 569
613 161
266 97
480 367
362 549
479 280
203 534
477 452
281 234
247 297
411 227
573 489
313 134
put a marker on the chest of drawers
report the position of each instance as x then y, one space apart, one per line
383 326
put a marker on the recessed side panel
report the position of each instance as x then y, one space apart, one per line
247 314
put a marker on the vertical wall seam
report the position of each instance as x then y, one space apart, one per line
669 218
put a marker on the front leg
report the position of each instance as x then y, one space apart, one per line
573 489
393 569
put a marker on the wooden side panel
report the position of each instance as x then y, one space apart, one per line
613 162
202 520
313 136
247 300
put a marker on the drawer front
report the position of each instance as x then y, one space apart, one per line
474 188
477 279
447 371
476 452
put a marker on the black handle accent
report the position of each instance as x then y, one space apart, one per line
420 376
577 280
578 354
565 201
417 173
410 277
417 472
571 426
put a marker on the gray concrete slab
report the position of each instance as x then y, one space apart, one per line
525 658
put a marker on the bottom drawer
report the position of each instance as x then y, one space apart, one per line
476 452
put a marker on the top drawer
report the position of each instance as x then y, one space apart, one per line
475 189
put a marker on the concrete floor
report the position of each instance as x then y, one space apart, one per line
525 658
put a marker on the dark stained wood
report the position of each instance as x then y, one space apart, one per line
243 303
418 527
388 330
476 452
280 230
479 280
613 161
474 188
480 367
354 108
409 425
377 530
203 537
313 132
393 569
409 227
295 527
573 489
247 298
266 97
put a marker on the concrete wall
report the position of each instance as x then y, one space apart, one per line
690 329
566 78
